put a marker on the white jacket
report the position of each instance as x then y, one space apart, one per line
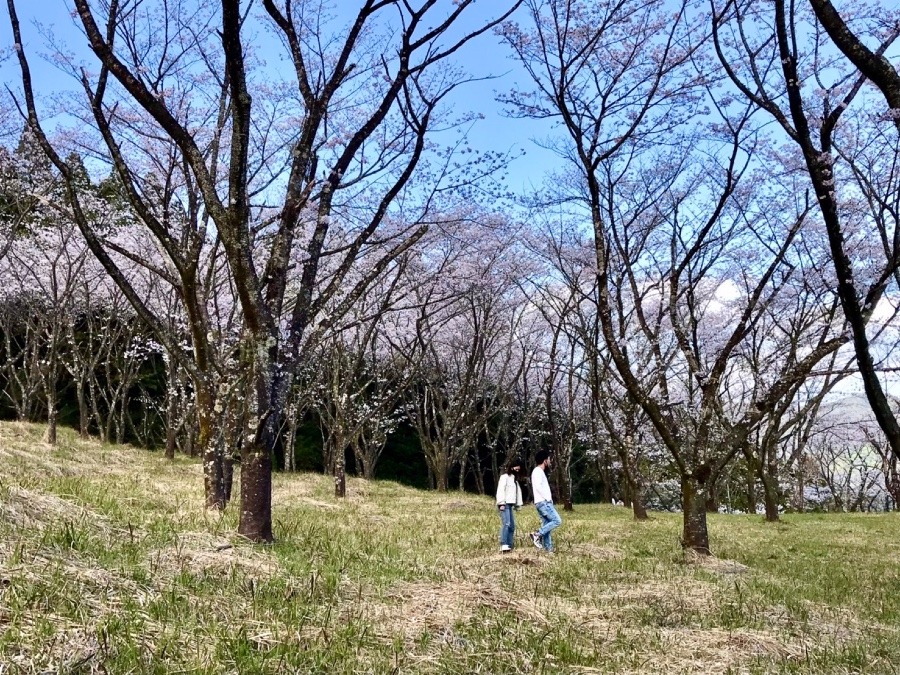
508 490
540 487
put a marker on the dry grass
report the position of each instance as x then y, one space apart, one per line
109 563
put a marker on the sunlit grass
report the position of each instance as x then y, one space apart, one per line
108 563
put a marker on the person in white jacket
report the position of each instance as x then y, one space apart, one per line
509 498
543 502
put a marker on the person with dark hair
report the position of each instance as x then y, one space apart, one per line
509 498
543 502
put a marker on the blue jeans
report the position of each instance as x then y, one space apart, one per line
507 525
550 520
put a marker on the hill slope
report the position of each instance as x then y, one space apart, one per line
108 563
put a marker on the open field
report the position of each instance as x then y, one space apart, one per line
108 564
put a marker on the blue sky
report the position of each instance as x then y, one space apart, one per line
484 57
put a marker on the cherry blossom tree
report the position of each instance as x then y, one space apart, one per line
782 59
703 246
456 336
352 133
357 402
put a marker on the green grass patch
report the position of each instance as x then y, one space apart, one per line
109 563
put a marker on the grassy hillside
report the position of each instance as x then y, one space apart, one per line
108 564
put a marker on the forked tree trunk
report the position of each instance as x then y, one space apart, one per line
695 535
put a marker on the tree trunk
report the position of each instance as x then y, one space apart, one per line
751 487
340 474
84 415
290 443
110 419
606 473
567 501
695 535
440 469
638 509
633 484
771 502
562 486
213 466
495 469
231 440
211 449
368 467
893 484
95 410
262 422
171 411
463 468
479 475
256 491
770 495
214 477
857 305
123 413
636 496
52 416
228 474
712 498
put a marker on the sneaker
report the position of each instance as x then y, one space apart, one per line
536 540
505 549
